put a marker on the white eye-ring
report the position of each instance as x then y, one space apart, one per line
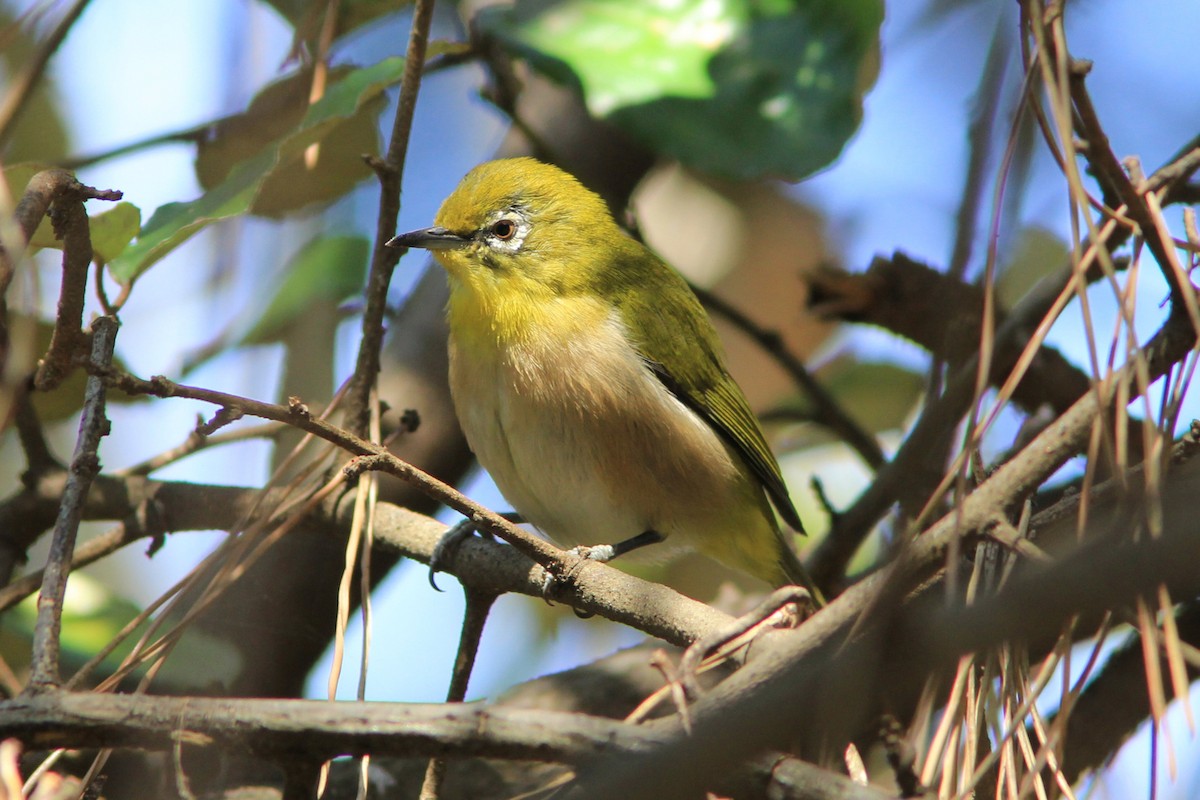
506 232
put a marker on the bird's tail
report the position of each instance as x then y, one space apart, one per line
795 573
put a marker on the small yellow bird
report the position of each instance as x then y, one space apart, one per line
590 383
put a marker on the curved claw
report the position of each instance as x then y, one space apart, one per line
451 540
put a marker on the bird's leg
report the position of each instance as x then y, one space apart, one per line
602 553
607 552
452 539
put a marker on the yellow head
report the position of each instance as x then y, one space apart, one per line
518 226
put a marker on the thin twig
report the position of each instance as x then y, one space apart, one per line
390 172
1113 176
296 413
479 604
84 467
197 441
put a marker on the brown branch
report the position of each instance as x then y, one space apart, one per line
70 222
152 508
1114 179
384 259
943 315
479 605
24 84
288 731
313 729
297 414
84 467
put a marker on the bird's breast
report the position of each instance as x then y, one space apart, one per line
577 432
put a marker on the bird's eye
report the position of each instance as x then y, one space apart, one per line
504 229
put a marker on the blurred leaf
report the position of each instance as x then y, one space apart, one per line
738 88
112 230
308 16
879 396
40 133
92 615
236 194
326 270
30 339
292 183
1038 253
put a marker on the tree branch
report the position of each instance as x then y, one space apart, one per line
84 467
383 258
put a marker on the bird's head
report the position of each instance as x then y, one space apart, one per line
518 225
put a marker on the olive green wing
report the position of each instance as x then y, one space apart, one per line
672 333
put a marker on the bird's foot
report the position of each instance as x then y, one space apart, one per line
446 548
444 551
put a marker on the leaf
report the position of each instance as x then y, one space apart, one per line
879 396
876 394
736 88
1038 253
30 339
307 17
40 133
293 182
93 615
327 269
111 231
174 223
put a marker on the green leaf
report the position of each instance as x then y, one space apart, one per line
30 339
239 191
93 615
738 88
174 223
1038 253
299 178
308 17
111 230
327 269
878 395
40 133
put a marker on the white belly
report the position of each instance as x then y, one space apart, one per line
589 446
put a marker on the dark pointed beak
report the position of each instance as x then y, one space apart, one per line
430 239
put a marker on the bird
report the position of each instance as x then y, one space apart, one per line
590 383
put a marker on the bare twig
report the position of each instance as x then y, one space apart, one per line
84 467
390 171
198 440
479 604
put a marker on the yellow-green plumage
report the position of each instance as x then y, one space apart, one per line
589 381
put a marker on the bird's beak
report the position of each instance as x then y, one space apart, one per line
430 239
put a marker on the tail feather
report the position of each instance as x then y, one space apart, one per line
795 573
